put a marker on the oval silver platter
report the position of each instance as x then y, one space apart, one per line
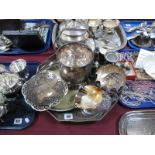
137 123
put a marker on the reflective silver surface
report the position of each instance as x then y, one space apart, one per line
110 25
111 77
112 57
73 31
137 123
92 98
18 65
5 43
2 68
110 41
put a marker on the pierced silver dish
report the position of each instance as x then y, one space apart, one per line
44 90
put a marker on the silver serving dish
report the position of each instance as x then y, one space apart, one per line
44 90
111 77
67 102
137 123
79 116
91 98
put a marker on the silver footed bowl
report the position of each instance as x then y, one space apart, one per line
44 90
92 98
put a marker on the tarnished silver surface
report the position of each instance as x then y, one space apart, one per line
44 90
75 62
75 55
137 123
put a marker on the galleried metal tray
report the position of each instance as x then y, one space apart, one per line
77 116
119 34
137 123
66 111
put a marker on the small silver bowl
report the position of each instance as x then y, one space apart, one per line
92 99
112 57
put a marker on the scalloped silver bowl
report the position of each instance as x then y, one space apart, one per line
44 90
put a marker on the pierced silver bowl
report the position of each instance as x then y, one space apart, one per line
44 90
